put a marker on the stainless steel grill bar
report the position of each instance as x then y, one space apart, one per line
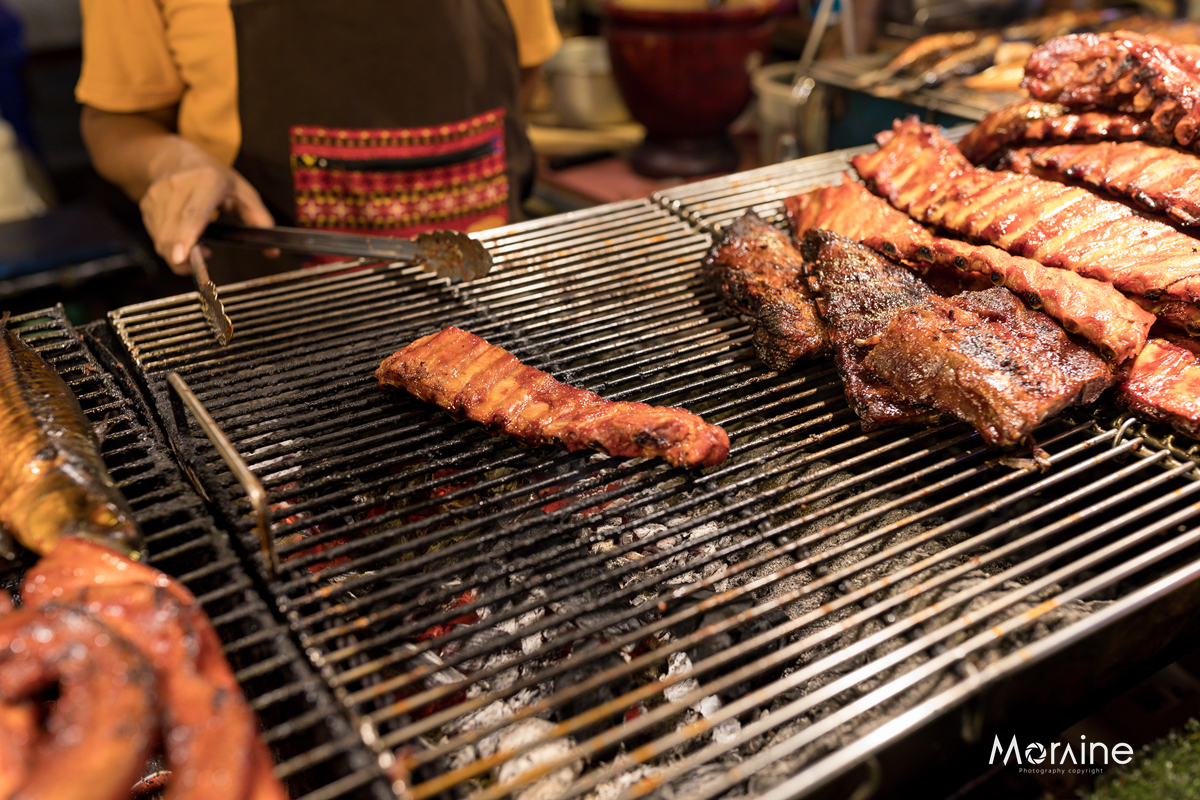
1125 569
722 658
851 680
568 570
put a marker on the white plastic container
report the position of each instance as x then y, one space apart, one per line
582 90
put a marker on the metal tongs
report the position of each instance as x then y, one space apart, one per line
210 304
450 254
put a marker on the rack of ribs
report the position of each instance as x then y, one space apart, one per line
1122 71
758 273
1092 309
1164 384
469 378
860 292
1161 180
1034 122
922 173
988 360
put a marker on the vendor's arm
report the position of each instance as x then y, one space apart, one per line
538 38
177 185
158 87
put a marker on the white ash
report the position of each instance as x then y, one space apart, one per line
531 643
494 713
707 707
697 783
530 731
680 664
611 790
725 731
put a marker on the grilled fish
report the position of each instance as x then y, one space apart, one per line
53 482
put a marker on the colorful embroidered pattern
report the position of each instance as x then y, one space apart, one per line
401 181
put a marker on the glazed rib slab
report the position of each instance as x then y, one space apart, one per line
470 378
1122 71
1161 180
1035 122
1093 309
922 173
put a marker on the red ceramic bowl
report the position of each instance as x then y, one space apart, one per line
685 75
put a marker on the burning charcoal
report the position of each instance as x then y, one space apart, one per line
507 677
494 713
548 787
532 642
708 707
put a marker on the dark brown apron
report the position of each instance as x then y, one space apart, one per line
382 116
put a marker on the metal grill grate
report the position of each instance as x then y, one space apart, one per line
502 621
313 744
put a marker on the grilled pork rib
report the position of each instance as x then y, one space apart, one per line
1121 71
1159 179
1164 384
1092 309
470 378
757 271
988 360
1035 122
860 292
920 171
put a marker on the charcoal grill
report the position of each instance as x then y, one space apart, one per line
312 742
827 613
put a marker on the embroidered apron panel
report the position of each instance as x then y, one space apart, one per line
400 181
373 75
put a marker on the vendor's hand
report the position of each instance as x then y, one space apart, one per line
188 188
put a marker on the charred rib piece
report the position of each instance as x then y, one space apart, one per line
757 271
1159 179
1164 385
988 360
919 171
1035 122
1122 71
53 482
860 293
468 377
1092 309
